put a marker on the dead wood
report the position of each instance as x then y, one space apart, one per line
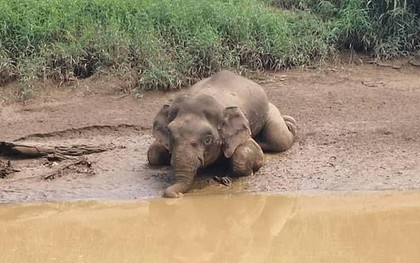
79 165
388 65
33 151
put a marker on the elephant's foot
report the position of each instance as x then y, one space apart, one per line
247 158
224 180
279 133
158 155
291 124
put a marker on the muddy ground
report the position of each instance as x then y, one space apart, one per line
359 129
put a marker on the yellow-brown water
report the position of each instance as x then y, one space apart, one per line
238 228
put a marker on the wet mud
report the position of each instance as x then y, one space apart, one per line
359 130
254 228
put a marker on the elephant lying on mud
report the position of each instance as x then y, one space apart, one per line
223 116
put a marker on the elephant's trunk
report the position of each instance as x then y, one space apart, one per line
184 173
183 183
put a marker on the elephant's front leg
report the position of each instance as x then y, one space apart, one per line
247 158
158 154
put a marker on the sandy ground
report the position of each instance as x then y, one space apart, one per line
359 130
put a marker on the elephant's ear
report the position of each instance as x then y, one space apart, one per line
234 130
160 126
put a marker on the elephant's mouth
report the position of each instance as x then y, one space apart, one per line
201 161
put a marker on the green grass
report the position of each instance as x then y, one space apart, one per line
161 44
385 29
169 44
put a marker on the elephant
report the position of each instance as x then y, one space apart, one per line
223 117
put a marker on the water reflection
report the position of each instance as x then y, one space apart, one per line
224 228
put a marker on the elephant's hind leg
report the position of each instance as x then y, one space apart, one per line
158 155
247 158
279 132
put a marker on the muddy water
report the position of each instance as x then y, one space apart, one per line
225 228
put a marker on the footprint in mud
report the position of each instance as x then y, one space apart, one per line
163 177
6 169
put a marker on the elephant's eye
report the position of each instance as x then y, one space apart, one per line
208 140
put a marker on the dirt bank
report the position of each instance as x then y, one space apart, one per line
359 129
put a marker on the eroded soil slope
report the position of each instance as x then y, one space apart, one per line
359 129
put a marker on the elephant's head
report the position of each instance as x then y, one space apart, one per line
196 131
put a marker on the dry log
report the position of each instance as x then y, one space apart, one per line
80 165
33 151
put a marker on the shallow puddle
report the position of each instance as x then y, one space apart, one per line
373 227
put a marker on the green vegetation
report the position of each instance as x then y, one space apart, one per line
386 29
168 44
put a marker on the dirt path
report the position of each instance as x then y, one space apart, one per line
359 129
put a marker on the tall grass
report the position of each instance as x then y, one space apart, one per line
168 44
158 44
386 29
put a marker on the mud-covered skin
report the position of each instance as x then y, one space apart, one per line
225 114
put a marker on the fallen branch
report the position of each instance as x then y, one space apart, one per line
74 166
381 64
32 151
372 84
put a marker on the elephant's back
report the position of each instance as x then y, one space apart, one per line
230 89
